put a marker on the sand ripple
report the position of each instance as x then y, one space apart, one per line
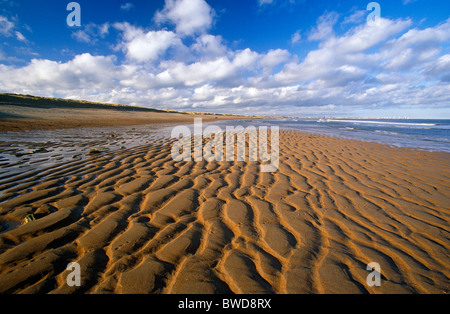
138 222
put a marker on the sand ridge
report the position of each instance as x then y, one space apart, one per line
139 222
20 113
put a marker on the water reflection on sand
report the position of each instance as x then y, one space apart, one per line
33 150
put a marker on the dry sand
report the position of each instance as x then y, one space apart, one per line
138 222
23 112
18 118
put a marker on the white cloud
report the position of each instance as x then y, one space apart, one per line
262 2
127 6
9 28
439 68
6 26
81 36
220 70
366 36
416 47
189 16
84 72
418 39
91 33
344 51
150 46
20 36
209 46
324 28
144 46
388 64
274 58
296 37
356 18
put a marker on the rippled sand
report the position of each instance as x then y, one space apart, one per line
138 222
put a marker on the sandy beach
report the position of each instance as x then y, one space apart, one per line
221 155
138 222
23 113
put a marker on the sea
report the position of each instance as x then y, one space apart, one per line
33 150
429 135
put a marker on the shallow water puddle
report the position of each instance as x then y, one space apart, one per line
8 226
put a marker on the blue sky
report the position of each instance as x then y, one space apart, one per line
277 57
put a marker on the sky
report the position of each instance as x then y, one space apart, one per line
271 57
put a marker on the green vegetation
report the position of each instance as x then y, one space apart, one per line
48 103
28 219
9 99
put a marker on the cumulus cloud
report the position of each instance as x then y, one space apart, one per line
143 46
222 70
385 64
83 72
274 57
209 46
416 46
150 46
189 16
342 56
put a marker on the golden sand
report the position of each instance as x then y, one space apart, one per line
138 222
22 119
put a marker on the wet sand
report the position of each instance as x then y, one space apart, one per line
138 222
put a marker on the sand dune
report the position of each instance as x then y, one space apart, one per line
22 112
138 222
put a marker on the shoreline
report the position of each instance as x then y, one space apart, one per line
138 222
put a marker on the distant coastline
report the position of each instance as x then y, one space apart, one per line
25 112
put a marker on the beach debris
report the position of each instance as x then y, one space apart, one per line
95 151
28 219
31 152
38 151
18 155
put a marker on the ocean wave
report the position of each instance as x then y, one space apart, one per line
380 122
387 132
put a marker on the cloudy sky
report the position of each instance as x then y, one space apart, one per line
276 57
